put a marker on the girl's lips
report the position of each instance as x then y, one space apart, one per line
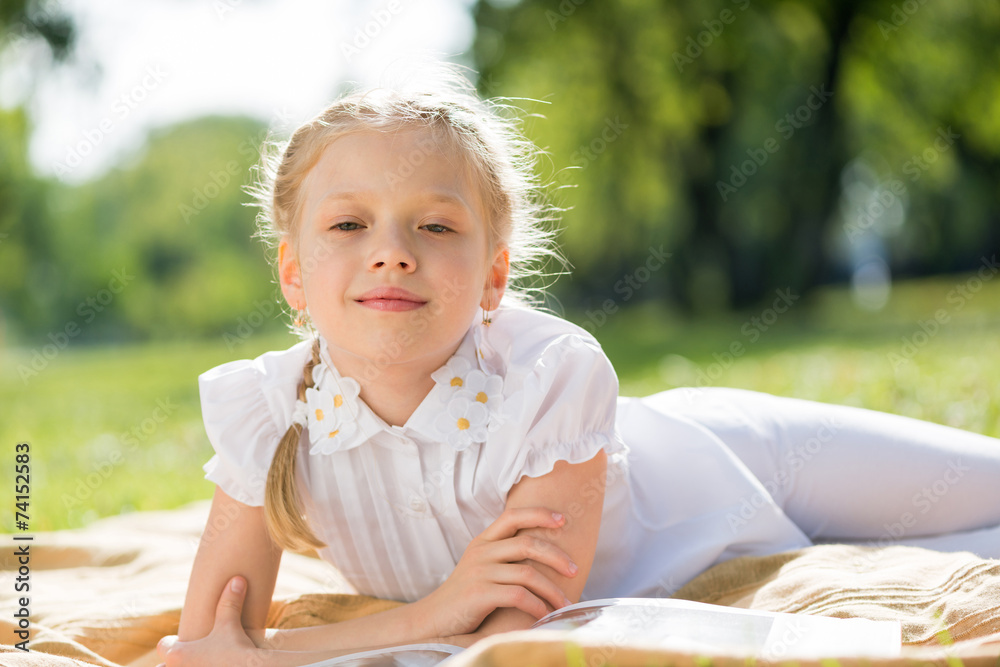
391 299
391 305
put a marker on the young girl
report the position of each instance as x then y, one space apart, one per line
442 443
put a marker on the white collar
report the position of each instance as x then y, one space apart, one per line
462 407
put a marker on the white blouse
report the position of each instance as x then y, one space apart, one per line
397 505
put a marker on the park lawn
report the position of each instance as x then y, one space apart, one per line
118 429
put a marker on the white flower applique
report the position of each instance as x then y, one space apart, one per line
452 374
332 415
474 407
485 389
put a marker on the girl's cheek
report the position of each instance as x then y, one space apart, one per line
319 254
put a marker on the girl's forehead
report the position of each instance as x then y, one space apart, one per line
393 162
413 143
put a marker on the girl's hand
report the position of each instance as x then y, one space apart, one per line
489 576
227 644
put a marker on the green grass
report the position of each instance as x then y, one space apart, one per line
74 413
112 429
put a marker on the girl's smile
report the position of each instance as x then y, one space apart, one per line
391 299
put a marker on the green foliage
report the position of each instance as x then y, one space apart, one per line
159 247
37 20
738 120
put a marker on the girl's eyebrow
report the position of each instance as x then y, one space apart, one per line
434 196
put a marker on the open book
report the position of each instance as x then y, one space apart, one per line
680 625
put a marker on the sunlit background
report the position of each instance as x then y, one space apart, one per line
800 197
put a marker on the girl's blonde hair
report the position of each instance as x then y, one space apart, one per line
491 147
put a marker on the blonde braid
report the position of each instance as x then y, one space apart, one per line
283 513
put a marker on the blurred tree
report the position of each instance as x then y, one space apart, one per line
24 233
722 130
158 247
37 20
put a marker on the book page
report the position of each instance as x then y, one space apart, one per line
706 628
410 655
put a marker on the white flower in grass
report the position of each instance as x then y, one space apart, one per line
485 389
332 415
464 423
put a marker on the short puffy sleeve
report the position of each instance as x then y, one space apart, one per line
564 411
247 407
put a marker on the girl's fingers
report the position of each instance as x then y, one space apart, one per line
516 518
520 598
524 547
533 581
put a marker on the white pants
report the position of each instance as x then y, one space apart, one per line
846 474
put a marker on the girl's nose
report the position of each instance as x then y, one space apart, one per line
391 249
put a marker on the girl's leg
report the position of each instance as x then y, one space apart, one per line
849 474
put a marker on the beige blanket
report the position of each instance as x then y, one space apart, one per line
104 595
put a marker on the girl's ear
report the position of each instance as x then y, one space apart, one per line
496 281
290 275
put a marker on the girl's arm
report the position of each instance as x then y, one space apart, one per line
235 541
487 578
228 643
576 491
493 573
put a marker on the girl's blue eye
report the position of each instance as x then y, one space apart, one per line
340 226
438 229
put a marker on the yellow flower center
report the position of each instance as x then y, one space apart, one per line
333 433
463 424
338 400
319 415
456 382
482 397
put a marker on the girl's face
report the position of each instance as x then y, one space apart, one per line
391 256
